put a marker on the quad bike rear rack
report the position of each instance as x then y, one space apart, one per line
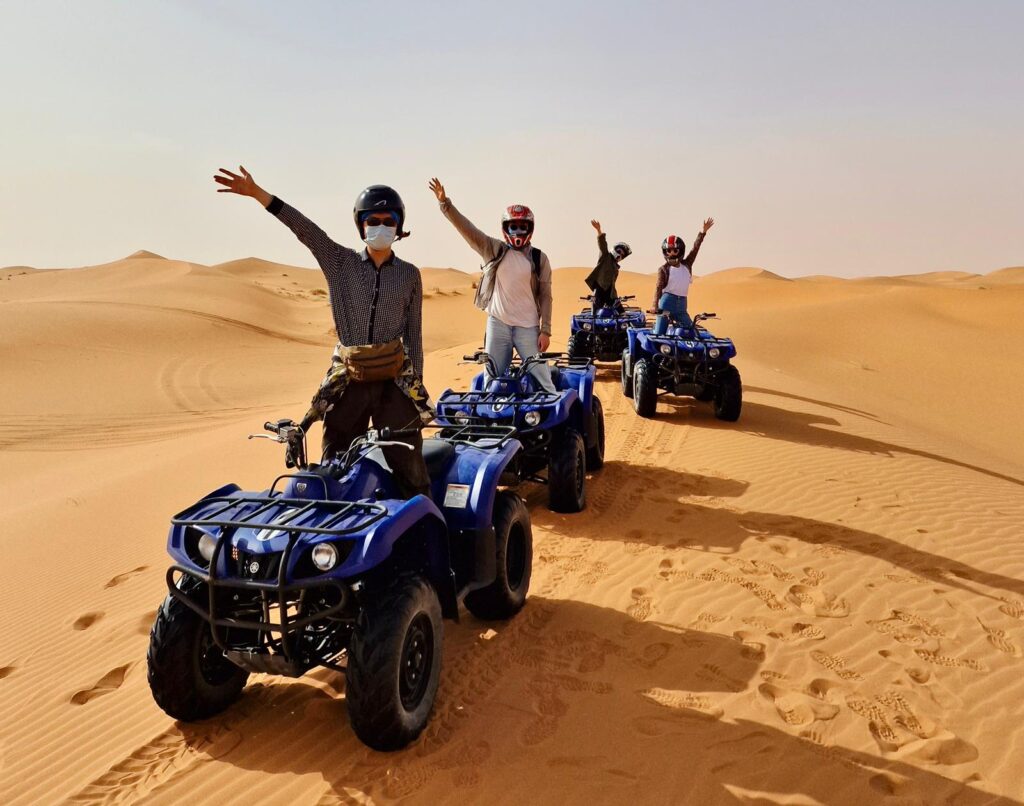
502 399
487 434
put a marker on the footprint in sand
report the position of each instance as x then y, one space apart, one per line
1000 640
705 621
1012 608
897 630
818 602
920 622
824 690
86 620
878 723
752 648
799 632
812 577
6 671
111 681
836 665
775 545
929 741
549 708
895 701
946 660
117 580
642 606
796 708
682 701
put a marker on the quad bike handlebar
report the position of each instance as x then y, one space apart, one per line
481 357
702 316
590 297
289 433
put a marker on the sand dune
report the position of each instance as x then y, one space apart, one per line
822 603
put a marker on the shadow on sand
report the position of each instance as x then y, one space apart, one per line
601 697
802 428
695 525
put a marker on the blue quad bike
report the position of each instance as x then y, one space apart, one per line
561 432
331 567
681 361
600 333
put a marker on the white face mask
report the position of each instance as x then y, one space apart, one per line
380 237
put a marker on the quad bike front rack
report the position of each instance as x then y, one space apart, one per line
230 513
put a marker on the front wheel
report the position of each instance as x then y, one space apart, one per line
729 395
645 388
513 534
188 674
627 379
567 472
579 345
394 663
595 453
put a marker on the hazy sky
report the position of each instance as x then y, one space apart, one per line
853 138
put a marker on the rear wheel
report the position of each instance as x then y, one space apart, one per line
188 674
513 534
627 379
580 345
567 469
394 663
645 388
595 431
729 395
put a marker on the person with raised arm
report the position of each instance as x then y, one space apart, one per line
376 300
515 288
675 276
601 281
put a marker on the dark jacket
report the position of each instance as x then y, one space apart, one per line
606 272
687 261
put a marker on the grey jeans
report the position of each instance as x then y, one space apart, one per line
500 340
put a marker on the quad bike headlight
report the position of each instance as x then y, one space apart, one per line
324 556
532 418
587 326
714 352
206 546
461 419
666 350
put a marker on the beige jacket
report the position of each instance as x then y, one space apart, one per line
488 248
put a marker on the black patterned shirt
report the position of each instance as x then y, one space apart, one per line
370 305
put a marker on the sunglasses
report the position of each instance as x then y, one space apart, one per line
519 229
376 221
671 251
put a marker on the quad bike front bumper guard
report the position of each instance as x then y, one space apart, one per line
230 513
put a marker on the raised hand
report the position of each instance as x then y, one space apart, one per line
243 185
708 224
596 225
438 190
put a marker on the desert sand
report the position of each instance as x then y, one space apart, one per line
821 603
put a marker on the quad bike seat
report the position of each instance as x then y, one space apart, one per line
437 453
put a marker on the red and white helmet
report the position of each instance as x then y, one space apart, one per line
673 243
517 225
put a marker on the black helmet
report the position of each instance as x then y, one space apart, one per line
622 247
379 199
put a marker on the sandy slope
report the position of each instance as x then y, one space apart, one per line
823 603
